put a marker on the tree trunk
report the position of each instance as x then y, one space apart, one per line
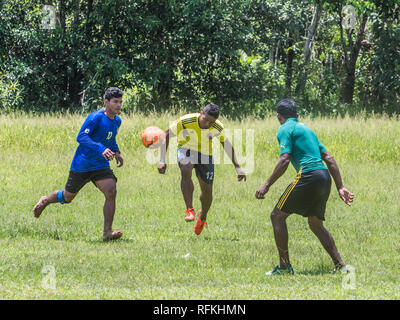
75 76
301 82
350 59
89 20
276 56
63 73
75 88
348 87
61 15
289 66
271 55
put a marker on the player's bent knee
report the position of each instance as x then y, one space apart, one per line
111 193
274 214
315 226
277 215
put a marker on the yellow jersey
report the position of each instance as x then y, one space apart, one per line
191 136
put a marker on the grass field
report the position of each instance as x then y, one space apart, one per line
159 256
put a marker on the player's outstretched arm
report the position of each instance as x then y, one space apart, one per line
279 170
227 145
333 168
162 166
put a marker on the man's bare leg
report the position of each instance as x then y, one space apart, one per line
109 189
317 227
51 198
278 219
187 186
206 198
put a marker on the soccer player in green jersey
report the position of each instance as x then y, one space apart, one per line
309 192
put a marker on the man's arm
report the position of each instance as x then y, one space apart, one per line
333 168
114 148
279 170
84 138
227 145
162 166
119 159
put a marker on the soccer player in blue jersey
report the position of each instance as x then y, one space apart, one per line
97 147
309 192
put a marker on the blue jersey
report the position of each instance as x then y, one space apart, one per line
98 133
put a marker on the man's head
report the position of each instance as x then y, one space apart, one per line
208 116
113 100
286 108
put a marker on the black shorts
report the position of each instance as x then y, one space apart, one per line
203 163
76 180
307 195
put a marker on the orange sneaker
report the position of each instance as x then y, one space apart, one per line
198 228
190 215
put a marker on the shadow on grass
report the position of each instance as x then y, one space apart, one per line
221 239
24 231
317 271
100 241
60 235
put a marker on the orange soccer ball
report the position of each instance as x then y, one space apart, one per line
152 137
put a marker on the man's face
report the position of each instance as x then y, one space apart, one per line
206 121
280 118
114 105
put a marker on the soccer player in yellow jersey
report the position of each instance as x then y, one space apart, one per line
194 134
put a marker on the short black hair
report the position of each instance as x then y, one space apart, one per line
113 92
287 108
212 110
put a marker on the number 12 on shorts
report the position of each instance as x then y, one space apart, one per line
210 175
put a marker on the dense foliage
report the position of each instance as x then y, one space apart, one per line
241 54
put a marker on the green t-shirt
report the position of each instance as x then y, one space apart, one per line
302 144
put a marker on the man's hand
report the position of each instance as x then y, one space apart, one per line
346 196
118 158
240 173
262 191
162 167
108 154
